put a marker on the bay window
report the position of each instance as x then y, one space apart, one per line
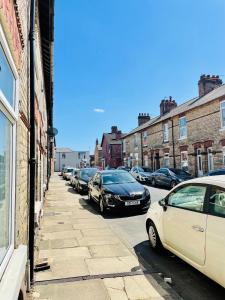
8 117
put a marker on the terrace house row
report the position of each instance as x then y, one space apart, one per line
189 136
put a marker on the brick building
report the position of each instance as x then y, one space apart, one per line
15 132
112 148
98 154
189 136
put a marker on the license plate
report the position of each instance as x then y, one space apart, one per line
128 203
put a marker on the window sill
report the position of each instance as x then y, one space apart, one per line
222 129
14 274
183 138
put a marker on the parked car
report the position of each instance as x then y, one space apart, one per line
141 174
82 178
190 222
61 173
73 177
216 172
124 168
67 173
169 177
116 190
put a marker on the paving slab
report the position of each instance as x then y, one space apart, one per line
84 290
66 252
61 235
116 250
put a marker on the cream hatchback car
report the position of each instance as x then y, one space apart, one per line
190 222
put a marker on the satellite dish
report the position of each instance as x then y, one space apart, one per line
52 131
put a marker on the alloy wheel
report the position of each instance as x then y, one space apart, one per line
152 236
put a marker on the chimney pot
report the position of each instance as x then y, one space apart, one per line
167 105
143 118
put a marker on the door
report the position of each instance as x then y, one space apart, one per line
96 187
184 223
215 236
199 162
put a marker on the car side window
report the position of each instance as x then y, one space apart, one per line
190 197
164 171
217 201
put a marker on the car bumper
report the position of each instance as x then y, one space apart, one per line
120 205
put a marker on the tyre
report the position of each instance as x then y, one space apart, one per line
102 207
173 184
153 237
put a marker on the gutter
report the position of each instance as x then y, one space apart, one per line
32 142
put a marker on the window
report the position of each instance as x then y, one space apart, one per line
224 156
146 160
165 132
222 114
7 79
190 197
145 136
163 171
217 201
210 160
8 115
184 160
166 160
136 141
183 127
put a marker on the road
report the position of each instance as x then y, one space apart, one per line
187 282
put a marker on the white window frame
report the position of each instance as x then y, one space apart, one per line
184 136
221 115
11 114
166 158
210 154
165 132
181 160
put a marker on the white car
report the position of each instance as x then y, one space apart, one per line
190 222
67 173
73 177
141 174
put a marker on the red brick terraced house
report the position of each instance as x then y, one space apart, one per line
112 148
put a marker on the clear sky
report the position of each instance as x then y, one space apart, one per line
117 58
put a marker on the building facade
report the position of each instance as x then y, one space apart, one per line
98 154
65 157
189 136
112 148
15 87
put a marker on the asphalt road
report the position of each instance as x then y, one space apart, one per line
187 282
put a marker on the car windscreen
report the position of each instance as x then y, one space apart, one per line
69 170
87 173
179 172
117 178
146 169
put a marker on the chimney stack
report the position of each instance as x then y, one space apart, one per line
143 118
114 129
167 105
208 83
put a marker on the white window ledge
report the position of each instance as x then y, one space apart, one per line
222 129
11 281
182 138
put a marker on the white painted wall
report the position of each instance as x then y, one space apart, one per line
71 159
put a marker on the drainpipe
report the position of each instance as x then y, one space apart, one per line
142 157
32 142
174 158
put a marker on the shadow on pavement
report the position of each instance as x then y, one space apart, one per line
189 283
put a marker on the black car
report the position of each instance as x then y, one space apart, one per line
169 177
124 168
82 178
216 172
116 190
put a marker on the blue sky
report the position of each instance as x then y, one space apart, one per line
124 56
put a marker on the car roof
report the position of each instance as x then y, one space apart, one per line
112 171
214 180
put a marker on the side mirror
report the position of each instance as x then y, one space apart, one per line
164 203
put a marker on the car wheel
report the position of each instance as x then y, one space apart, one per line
102 206
173 184
153 182
153 237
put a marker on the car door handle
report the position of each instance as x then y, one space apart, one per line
198 228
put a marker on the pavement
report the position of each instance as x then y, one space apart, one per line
87 258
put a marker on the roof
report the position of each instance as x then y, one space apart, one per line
63 150
111 138
46 17
185 106
215 180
